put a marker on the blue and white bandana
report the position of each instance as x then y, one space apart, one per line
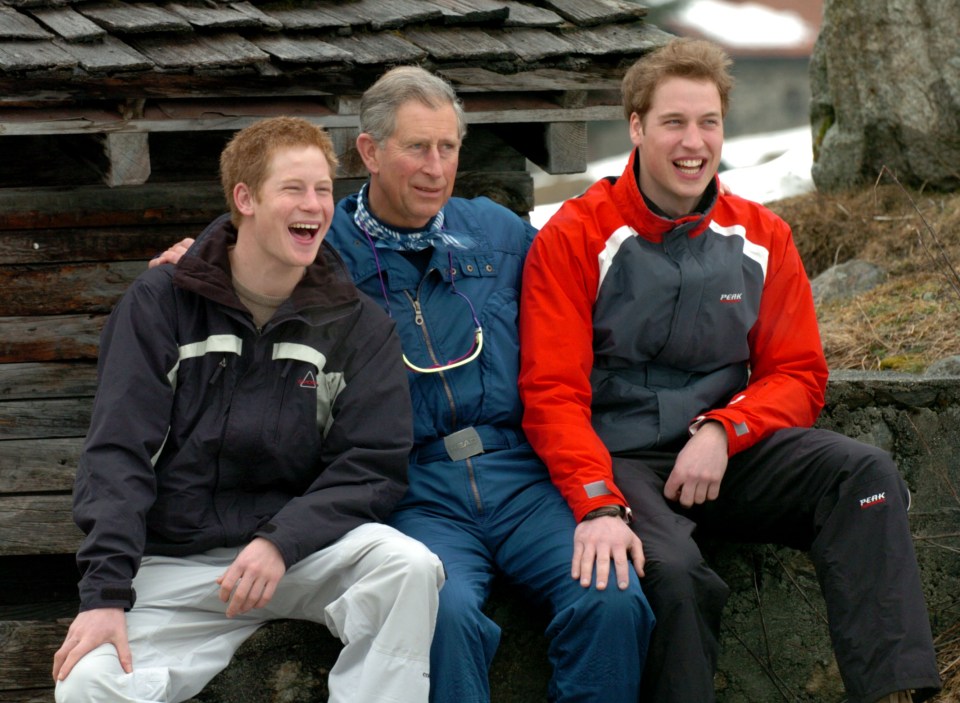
386 237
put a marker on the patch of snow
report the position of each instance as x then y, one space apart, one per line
747 25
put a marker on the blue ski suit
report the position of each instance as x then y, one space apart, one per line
495 511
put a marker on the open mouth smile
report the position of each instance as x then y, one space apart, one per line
303 231
689 167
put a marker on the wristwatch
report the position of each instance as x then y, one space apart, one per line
609 511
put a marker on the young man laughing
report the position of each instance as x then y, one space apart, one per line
671 369
249 435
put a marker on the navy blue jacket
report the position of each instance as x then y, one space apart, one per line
207 432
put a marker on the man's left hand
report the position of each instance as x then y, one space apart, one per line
252 578
173 254
700 467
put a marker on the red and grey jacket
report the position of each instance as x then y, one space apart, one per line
208 432
635 326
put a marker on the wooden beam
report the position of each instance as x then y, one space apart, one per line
37 525
121 158
518 109
50 338
39 466
556 148
95 206
566 145
41 419
31 381
58 289
26 659
128 159
48 246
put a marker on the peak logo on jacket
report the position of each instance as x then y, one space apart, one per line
308 381
731 297
875 499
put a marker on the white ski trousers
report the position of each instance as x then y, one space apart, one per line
375 588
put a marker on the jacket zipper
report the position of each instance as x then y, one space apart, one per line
418 319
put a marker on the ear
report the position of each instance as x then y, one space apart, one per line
368 149
636 129
243 198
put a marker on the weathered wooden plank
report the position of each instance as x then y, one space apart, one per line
34 695
91 244
374 49
452 44
482 80
97 206
133 18
396 13
198 52
69 23
37 525
31 380
16 56
39 466
535 44
250 10
300 49
26 656
524 15
38 419
593 12
632 38
306 17
501 108
14 25
210 16
472 11
105 55
65 288
50 338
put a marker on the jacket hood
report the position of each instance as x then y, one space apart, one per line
205 270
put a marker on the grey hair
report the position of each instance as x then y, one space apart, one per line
380 102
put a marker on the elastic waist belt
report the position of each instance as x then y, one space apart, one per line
466 443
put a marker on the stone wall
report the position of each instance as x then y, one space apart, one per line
775 643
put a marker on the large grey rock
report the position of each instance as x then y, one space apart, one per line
847 280
885 87
947 366
775 645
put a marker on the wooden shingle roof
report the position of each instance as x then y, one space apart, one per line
88 58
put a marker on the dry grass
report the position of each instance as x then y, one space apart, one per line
906 323
913 318
948 655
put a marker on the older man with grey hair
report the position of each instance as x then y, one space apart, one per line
448 271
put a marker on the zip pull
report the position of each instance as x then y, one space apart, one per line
220 367
418 314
